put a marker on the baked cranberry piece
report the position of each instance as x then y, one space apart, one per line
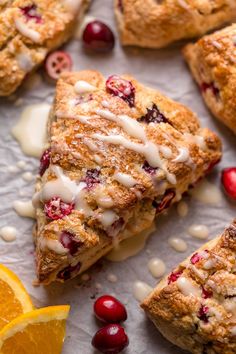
115 228
67 272
165 202
111 339
195 258
153 116
44 161
69 241
149 169
98 37
108 309
206 294
121 88
83 99
56 209
174 276
211 86
92 178
203 313
228 179
30 13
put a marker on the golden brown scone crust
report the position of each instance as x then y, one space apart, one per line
212 62
25 42
133 198
154 24
204 322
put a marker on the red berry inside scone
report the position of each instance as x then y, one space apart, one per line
56 209
149 169
211 86
203 313
111 339
69 241
67 272
195 258
108 309
44 161
92 178
153 116
121 88
174 276
98 37
165 202
57 63
206 294
228 179
30 13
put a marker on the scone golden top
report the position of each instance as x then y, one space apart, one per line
194 307
212 61
28 31
155 24
118 152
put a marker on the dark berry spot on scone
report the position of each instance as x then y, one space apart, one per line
92 178
69 241
120 6
153 115
174 276
203 313
44 161
83 99
149 169
56 209
195 258
206 294
116 227
211 86
166 201
30 13
121 88
66 273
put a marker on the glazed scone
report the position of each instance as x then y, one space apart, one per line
195 306
29 30
119 153
156 24
212 62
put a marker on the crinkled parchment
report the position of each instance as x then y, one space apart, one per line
165 70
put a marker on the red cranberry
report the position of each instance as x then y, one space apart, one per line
203 313
57 63
228 179
211 86
56 209
30 13
44 161
166 201
92 178
111 339
121 88
108 309
69 241
98 37
83 99
115 228
153 116
149 169
174 276
67 272
206 294
195 258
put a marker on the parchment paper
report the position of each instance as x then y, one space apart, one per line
165 70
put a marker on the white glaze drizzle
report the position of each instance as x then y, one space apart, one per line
53 245
24 209
141 290
178 244
8 233
83 87
25 62
156 267
206 193
182 209
198 231
107 218
26 31
187 288
125 179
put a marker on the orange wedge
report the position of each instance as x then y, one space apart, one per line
37 332
14 299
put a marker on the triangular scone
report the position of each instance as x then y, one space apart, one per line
29 31
195 306
119 152
156 24
212 62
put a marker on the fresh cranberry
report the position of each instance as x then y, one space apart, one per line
98 37
69 241
206 294
153 116
203 313
115 228
108 309
111 339
149 169
195 258
44 161
165 202
174 276
92 178
211 86
30 13
228 179
56 209
68 271
57 63
121 88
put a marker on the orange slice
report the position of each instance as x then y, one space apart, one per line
14 299
37 332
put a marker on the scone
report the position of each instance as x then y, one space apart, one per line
212 61
119 153
155 24
195 306
29 30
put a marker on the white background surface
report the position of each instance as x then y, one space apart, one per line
165 70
